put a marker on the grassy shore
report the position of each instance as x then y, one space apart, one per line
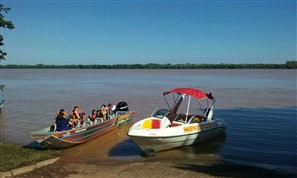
13 156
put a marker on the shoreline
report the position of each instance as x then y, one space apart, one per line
104 157
153 168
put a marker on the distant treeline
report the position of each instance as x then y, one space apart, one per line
287 65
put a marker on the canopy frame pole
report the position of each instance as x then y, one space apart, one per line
188 108
166 101
209 107
201 109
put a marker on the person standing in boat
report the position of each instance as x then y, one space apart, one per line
61 123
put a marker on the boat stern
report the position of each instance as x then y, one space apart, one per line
221 123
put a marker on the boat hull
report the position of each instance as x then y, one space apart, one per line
1 104
153 140
69 138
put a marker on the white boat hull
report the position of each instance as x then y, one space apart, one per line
155 140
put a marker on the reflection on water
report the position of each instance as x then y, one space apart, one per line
211 146
125 150
129 148
259 107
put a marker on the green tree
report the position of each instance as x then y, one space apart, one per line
4 24
291 64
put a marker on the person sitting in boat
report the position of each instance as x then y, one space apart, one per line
111 109
61 110
98 113
75 112
75 116
82 117
61 123
73 122
103 111
93 115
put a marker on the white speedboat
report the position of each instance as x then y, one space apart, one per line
181 124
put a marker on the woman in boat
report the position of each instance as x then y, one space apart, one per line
73 121
75 112
103 111
93 115
82 117
75 116
61 123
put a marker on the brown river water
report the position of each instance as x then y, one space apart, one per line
259 107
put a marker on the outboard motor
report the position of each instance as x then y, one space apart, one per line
122 106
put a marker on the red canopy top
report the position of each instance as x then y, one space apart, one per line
198 94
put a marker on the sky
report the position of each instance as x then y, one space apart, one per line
63 32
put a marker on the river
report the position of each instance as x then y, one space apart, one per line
259 107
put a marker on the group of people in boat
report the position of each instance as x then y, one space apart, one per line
76 118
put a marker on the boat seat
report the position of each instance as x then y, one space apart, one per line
174 124
147 124
151 124
78 125
98 120
165 122
156 123
87 123
197 119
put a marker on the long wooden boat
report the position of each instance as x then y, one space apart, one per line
82 134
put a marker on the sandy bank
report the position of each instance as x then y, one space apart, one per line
208 168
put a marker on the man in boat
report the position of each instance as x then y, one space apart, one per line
111 109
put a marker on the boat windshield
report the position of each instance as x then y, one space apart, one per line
190 108
160 113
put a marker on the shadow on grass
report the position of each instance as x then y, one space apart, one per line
35 145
